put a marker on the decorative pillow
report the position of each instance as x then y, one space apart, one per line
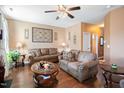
70 56
76 54
45 51
65 55
52 51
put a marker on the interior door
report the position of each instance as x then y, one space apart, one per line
86 41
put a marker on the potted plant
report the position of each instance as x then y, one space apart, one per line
13 56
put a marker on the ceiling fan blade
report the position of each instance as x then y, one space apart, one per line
74 8
50 11
57 17
70 15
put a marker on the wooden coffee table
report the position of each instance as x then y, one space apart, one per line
45 77
107 69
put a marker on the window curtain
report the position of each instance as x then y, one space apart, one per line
4 42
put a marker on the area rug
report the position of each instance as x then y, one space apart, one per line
6 84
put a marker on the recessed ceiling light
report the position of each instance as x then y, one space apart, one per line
108 6
11 9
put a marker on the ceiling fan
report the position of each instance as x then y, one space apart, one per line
64 10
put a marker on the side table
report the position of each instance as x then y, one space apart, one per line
22 60
108 70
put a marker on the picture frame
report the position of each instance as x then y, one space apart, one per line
42 35
74 39
55 36
26 33
69 35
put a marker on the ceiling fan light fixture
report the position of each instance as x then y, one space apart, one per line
64 15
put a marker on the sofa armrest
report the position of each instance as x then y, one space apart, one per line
60 57
30 57
87 65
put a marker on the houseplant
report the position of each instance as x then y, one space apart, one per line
13 56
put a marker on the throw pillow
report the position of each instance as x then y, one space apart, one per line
65 55
70 56
76 53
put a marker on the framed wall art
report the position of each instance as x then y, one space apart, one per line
74 39
55 36
42 35
69 35
26 33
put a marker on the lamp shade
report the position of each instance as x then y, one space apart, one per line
63 44
19 45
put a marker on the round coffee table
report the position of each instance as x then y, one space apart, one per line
45 74
107 68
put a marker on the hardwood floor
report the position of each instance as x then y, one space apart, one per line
22 78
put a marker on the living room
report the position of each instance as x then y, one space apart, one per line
81 48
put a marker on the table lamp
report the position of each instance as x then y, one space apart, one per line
19 45
63 45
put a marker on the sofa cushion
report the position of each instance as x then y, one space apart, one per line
73 68
45 51
86 57
52 51
73 65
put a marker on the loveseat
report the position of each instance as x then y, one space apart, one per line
81 65
43 54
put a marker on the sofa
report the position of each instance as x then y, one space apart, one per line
81 65
43 54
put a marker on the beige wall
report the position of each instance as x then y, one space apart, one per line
74 30
17 28
78 30
93 29
115 35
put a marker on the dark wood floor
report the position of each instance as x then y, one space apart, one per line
22 78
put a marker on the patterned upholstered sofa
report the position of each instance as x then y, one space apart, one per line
45 54
81 65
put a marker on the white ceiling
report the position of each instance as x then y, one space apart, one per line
35 13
